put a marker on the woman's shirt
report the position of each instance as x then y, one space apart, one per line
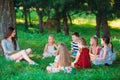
8 46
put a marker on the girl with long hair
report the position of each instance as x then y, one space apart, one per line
63 60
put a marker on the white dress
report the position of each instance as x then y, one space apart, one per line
50 52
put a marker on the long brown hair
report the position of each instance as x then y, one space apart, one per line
65 59
8 33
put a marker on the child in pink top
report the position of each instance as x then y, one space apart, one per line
94 47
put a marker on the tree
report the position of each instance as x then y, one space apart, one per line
103 11
7 15
40 6
26 4
116 8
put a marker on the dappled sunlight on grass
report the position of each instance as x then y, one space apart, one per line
22 21
19 21
115 23
37 56
81 21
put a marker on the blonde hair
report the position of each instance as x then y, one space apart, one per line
65 59
82 41
52 37
95 39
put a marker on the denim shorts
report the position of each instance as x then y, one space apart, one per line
8 57
74 53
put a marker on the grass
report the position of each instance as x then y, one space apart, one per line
10 70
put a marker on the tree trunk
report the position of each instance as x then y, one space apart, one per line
7 15
98 24
40 20
30 19
57 24
66 28
105 26
26 16
69 18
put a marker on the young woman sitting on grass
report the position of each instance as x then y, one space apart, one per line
62 61
11 48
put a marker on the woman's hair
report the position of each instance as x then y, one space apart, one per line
65 59
83 41
95 38
106 39
8 33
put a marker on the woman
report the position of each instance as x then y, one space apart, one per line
11 48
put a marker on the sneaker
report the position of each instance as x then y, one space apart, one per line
33 63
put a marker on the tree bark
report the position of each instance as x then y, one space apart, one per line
105 26
7 16
101 20
30 19
66 28
98 24
57 24
40 20
26 18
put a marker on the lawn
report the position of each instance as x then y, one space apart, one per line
10 70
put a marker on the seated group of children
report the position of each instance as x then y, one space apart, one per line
79 50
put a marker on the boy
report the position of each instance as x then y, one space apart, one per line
74 44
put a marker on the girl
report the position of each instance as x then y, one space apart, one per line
113 52
94 47
63 61
105 56
11 49
49 48
82 59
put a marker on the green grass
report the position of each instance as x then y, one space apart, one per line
10 70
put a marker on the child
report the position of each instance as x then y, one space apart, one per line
114 54
82 59
49 50
63 61
105 56
74 44
94 47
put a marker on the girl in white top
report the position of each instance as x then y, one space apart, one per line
49 49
